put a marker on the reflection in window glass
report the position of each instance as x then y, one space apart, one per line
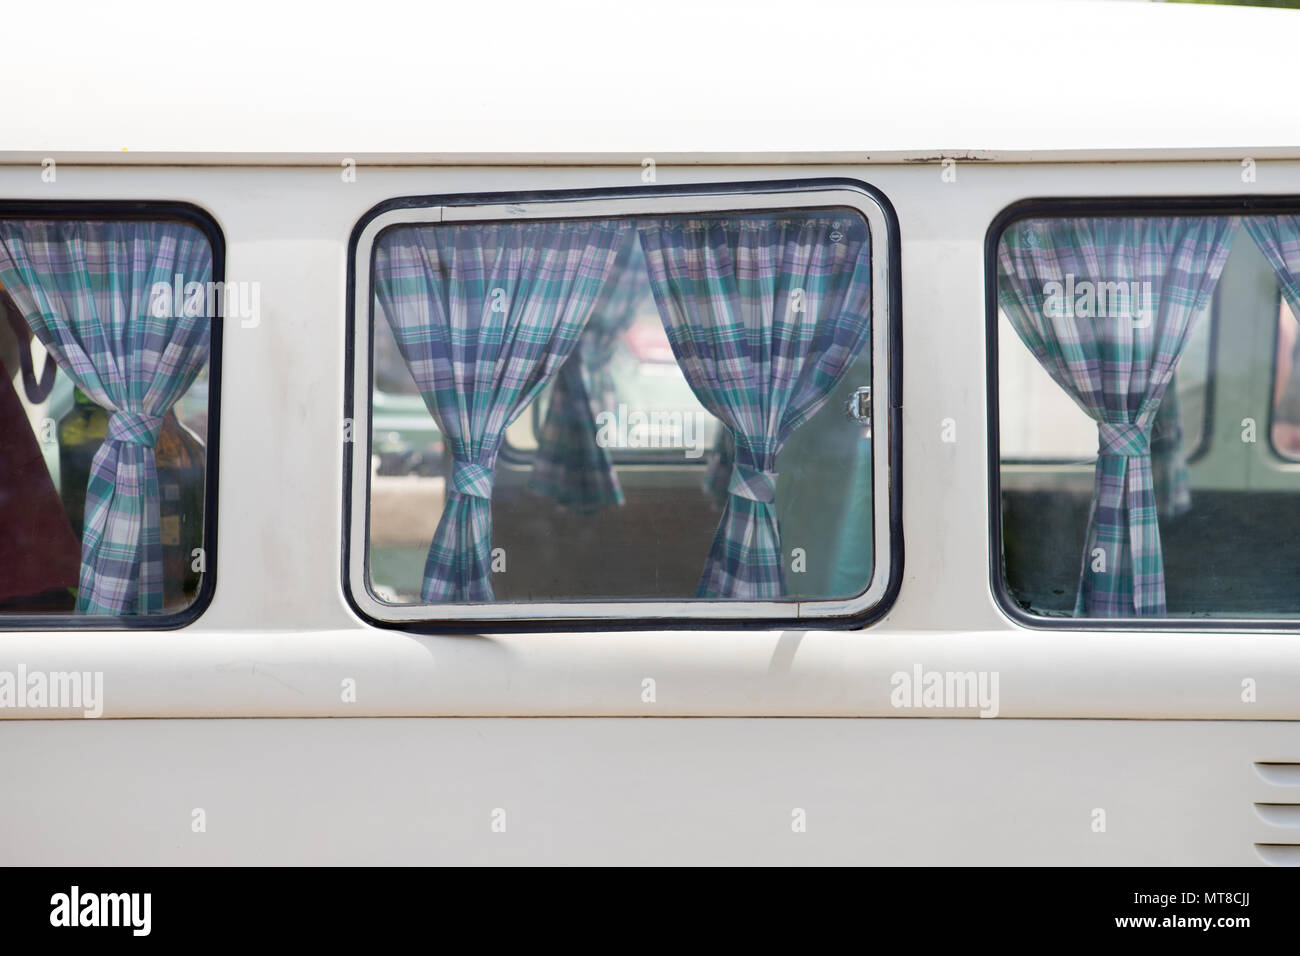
622 409
645 409
1045 423
1286 386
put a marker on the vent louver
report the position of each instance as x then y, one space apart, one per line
1282 813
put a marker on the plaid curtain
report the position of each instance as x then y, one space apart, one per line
570 465
1278 237
764 314
87 290
484 316
1066 286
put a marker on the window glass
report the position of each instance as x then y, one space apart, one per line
1045 424
104 377
1136 356
1285 431
622 409
649 412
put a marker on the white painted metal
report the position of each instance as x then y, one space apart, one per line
624 792
586 81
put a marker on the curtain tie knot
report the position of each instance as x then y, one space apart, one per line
134 428
1123 440
471 478
749 482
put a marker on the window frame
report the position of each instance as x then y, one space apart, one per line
886 343
147 211
1119 207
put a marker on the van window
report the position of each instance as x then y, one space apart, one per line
637 408
105 342
1136 358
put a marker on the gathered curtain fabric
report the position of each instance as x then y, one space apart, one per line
1105 305
1278 237
570 464
90 292
484 316
765 314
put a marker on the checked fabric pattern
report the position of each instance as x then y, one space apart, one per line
1116 368
86 291
764 313
484 316
1278 237
570 465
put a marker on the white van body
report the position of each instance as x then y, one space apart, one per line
227 715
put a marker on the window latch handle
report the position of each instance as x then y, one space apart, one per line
858 408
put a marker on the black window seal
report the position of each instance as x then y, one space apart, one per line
1063 207
202 220
892 248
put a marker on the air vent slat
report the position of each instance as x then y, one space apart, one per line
1279 854
1279 814
1280 774
1284 812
